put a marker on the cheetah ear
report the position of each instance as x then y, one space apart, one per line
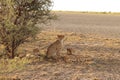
60 36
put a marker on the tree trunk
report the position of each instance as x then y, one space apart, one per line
11 55
10 52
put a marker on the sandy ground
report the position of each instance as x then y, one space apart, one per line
103 24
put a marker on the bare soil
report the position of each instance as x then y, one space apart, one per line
103 24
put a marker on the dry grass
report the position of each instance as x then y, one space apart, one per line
94 39
8 65
98 59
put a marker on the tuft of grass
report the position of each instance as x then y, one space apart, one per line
9 65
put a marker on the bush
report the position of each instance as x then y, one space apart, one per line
18 19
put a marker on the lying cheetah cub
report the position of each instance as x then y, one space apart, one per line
74 58
71 57
53 51
69 51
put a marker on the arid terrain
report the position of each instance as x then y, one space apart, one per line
107 25
94 38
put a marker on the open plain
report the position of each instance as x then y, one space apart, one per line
96 23
95 39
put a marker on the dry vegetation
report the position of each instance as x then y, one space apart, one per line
95 41
99 59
